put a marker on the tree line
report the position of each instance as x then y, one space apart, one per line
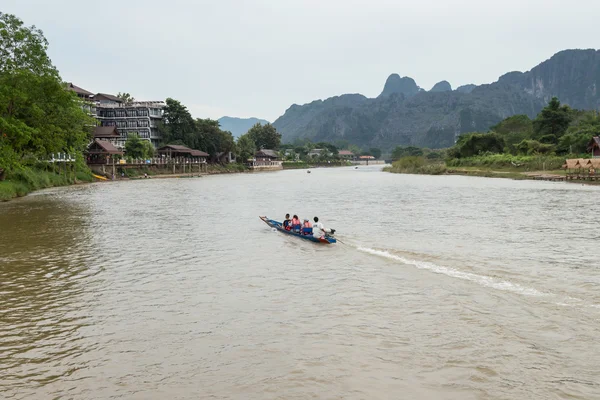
557 130
38 116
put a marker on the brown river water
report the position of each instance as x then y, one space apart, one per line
443 288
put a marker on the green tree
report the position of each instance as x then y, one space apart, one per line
532 147
177 126
375 152
472 144
514 129
409 151
552 121
37 115
135 147
148 149
245 147
265 136
23 48
126 97
354 149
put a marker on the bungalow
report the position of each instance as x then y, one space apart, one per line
266 155
108 134
266 159
594 147
178 151
346 155
101 152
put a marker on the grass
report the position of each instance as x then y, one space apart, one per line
417 165
24 180
490 166
510 162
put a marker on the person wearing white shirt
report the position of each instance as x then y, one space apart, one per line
319 229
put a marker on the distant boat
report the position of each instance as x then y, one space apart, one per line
308 172
279 226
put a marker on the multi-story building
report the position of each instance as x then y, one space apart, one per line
138 117
89 105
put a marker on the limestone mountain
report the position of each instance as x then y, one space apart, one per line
239 126
466 88
443 86
404 114
397 85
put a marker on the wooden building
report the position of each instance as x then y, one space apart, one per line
267 160
594 147
182 152
101 152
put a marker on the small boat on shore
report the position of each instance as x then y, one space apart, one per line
279 226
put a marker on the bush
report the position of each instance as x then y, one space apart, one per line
503 161
416 165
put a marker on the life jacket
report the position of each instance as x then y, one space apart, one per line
307 228
286 224
296 225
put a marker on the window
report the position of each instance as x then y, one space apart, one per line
131 113
143 123
121 113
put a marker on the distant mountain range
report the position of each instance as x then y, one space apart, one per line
405 114
239 126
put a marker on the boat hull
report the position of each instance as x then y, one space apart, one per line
279 226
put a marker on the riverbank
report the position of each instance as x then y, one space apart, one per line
26 180
305 165
491 166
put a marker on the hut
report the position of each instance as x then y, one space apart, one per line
182 152
107 133
101 152
594 147
266 159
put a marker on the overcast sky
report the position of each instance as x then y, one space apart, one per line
257 57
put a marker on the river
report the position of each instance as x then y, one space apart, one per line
443 288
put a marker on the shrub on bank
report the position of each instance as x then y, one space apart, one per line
503 161
24 180
417 165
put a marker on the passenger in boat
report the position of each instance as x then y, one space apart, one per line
287 223
296 225
307 227
319 230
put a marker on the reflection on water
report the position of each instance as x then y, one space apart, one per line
42 263
442 287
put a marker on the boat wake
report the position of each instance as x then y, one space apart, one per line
563 300
482 280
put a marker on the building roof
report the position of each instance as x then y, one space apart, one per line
267 153
104 147
577 163
78 90
108 97
198 153
106 132
177 148
345 153
594 142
